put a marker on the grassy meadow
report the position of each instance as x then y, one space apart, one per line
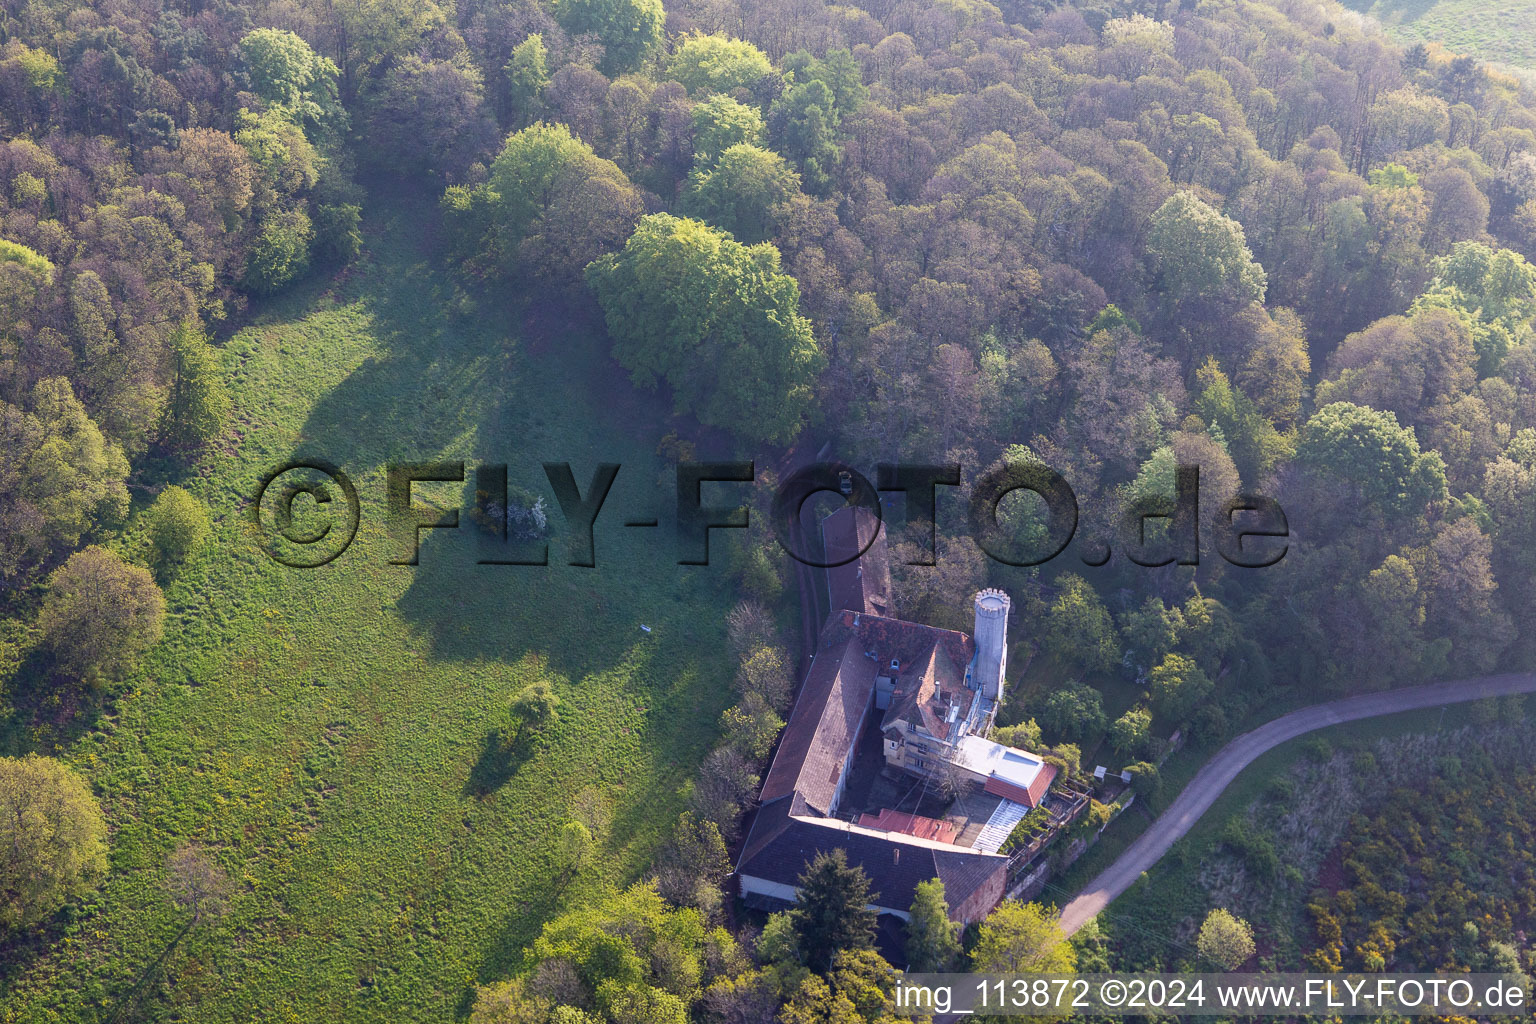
1498 30
329 734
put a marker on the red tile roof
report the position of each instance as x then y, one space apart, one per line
1030 797
911 824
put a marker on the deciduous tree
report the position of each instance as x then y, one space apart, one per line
1073 711
740 190
1078 629
177 525
1177 685
59 477
1022 938
719 123
555 204
1369 451
53 838
198 403
716 64
429 115
197 882
1129 733
1225 940
100 614
717 320
630 30
535 707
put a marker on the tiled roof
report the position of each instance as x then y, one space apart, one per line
1009 772
925 693
823 726
781 845
864 584
1029 797
911 824
856 644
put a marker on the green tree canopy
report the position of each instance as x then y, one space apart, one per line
716 320
99 615
291 77
831 913
177 525
36 262
535 707
1253 441
1493 290
286 162
1151 631
1022 938
554 204
740 191
198 402
1225 940
1128 734
527 72
59 476
1178 685
1078 629
932 942
528 172
804 121
1368 450
53 838
634 957
716 63
1073 711
1202 258
721 122
630 30
280 253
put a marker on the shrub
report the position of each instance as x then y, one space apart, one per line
177 525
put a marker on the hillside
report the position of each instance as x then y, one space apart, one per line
331 732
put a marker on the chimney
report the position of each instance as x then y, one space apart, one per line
991 635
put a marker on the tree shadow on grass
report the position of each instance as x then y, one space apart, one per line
41 711
430 385
520 386
1392 10
21 947
443 376
498 763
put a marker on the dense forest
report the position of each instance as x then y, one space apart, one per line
1113 237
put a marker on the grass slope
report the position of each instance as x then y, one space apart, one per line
1500 30
326 733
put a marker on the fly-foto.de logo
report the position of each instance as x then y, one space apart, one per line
307 513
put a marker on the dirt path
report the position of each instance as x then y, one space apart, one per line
1219 772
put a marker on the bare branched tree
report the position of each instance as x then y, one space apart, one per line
197 882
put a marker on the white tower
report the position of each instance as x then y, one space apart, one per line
991 635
